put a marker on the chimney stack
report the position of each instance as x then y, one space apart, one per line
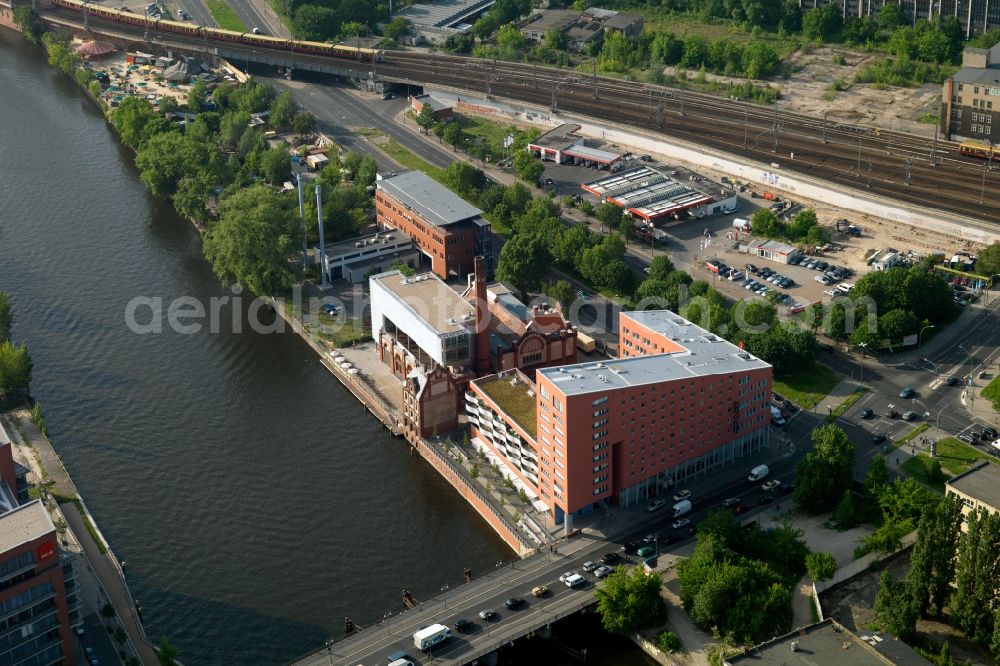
482 313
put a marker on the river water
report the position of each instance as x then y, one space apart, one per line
254 500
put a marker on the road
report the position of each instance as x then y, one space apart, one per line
490 592
259 14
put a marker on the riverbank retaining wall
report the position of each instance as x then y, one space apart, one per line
7 18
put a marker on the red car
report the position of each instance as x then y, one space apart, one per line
741 508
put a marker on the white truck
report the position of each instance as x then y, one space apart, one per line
758 473
741 224
428 637
681 508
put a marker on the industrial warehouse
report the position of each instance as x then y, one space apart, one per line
653 196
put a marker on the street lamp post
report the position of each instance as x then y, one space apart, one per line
444 594
861 370
329 650
922 332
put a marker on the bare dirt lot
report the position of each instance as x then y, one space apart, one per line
809 90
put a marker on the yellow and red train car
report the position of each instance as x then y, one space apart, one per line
981 150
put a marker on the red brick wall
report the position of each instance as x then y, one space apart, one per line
448 251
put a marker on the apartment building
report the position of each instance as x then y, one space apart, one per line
678 403
970 100
37 588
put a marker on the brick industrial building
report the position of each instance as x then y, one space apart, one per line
436 339
37 588
679 402
445 228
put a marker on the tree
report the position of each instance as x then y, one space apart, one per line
27 20
367 172
524 261
165 159
283 110
845 514
630 600
821 565
303 123
988 260
609 215
976 580
822 476
932 561
896 608
660 267
453 134
167 104
668 641
563 292
527 167
877 477
276 165
6 318
465 179
626 227
166 653
232 128
396 28
555 39
197 96
251 243
426 118
15 368
130 117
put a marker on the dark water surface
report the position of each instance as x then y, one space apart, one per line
255 502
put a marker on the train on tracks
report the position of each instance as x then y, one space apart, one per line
248 38
980 150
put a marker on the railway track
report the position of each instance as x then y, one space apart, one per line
895 165
892 164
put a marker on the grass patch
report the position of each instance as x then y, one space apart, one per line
930 118
346 334
493 133
842 408
369 132
919 468
90 528
905 439
225 16
806 387
397 152
956 456
992 393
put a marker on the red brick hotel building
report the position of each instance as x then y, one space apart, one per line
679 402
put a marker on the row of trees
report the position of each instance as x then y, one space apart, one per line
220 172
803 228
949 570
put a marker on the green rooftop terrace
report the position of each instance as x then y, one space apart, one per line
514 400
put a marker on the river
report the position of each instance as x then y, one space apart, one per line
255 502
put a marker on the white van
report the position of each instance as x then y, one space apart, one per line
758 473
427 637
741 224
576 580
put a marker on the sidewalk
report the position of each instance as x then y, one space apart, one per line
104 566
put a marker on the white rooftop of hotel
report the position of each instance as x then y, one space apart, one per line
23 524
704 354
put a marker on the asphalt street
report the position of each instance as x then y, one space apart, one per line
258 14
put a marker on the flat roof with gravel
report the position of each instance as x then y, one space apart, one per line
23 524
981 483
430 199
830 644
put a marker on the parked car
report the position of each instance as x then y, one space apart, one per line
646 551
612 558
681 522
736 275
567 575
631 547
741 508
787 489
752 269
682 495
990 433
729 501
603 571
968 438
463 625
589 566
770 485
656 505
766 499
